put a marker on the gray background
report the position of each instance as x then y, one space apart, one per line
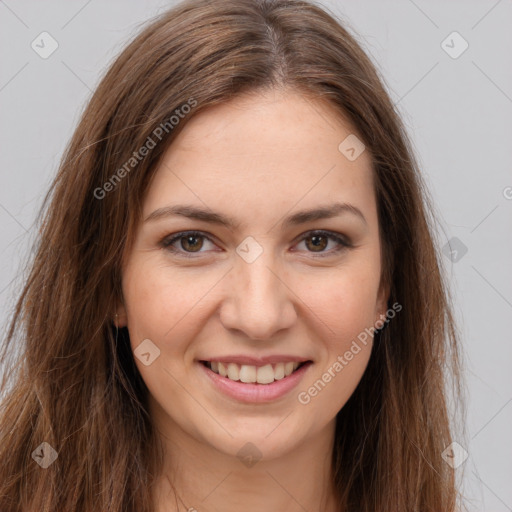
457 110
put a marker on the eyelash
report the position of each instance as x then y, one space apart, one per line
167 242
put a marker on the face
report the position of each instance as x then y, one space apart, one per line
255 287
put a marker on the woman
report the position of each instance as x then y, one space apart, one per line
236 298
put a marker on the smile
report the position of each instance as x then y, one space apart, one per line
251 383
250 374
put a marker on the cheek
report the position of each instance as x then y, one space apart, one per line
345 303
162 305
344 300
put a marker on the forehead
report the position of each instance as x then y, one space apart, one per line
262 152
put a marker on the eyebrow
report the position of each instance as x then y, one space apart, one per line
301 217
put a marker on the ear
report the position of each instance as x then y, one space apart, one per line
381 306
121 317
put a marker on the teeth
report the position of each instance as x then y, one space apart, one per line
252 374
233 371
279 371
248 373
265 374
222 370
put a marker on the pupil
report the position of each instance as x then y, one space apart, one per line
188 242
317 241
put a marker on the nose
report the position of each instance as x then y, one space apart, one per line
257 299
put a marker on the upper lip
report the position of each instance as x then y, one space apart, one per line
257 360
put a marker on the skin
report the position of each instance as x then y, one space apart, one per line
257 159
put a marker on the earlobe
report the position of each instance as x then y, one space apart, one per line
382 304
120 317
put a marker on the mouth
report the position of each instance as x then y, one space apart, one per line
252 374
263 382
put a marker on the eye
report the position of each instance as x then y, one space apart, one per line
190 242
319 240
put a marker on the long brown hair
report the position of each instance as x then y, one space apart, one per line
75 385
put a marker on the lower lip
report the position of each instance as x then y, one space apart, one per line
256 393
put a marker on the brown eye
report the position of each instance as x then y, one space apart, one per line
318 243
190 243
186 243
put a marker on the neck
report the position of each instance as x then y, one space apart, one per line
207 480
